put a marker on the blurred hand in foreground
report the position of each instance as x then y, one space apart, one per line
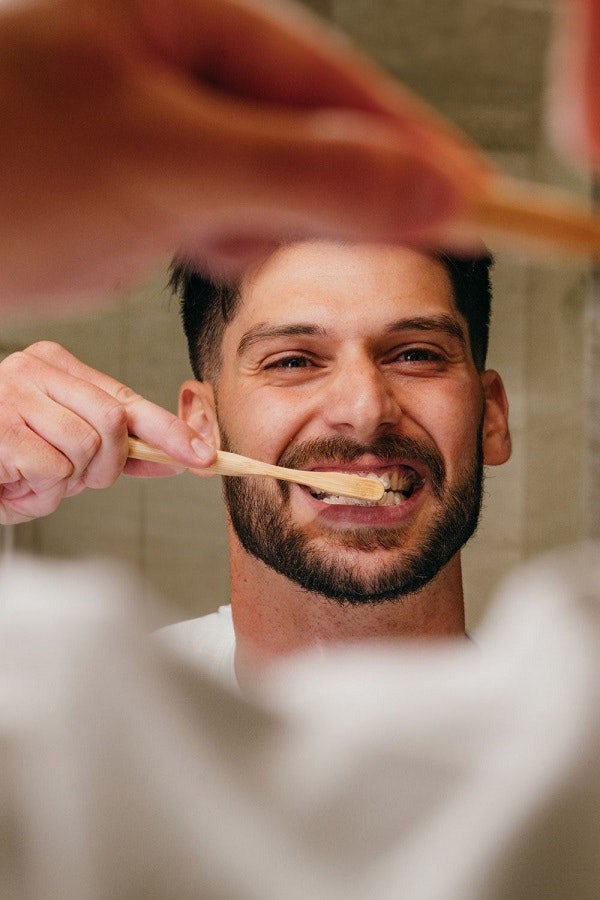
138 129
574 86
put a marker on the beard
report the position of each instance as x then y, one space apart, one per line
261 517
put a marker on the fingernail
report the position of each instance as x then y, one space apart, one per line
203 451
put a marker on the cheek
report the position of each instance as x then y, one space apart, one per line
451 416
259 424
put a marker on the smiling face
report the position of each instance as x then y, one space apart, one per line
355 358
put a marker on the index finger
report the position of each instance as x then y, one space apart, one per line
145 419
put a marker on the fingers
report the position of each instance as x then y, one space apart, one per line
46 449
82 422
15 511
116 412
65 426
279 53
268 126
33 476
301 137
345 175
19 502
177 114
574 84
283 174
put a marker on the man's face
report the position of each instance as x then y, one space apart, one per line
353 358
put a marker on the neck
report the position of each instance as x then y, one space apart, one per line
274 618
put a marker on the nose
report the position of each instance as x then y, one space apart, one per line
361 401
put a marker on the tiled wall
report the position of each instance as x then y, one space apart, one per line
481 62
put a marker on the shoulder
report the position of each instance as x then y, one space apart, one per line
208 641
196 628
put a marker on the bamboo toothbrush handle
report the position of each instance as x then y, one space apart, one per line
339 483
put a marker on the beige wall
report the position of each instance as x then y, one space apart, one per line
481 62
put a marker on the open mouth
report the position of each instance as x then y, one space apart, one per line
400 484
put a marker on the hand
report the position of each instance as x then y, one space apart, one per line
137 129
574 89
64 427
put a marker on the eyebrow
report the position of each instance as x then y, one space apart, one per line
446 324
263 331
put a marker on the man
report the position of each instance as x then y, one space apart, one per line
63 427
362 358
365 762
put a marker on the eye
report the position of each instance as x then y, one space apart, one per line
415 355
419 354
290 362
417 360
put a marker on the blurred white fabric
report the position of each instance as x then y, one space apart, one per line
208 640
382 772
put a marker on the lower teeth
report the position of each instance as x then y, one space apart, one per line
390 498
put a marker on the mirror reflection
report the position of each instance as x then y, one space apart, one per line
284 393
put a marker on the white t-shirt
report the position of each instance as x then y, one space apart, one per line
207 642
441 773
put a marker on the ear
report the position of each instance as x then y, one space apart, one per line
496 434
197 408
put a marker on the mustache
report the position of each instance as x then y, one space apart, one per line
387 448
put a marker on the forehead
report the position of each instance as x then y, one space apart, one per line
337 285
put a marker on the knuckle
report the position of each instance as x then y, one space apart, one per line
105 471
15 364
125 395
48 350
28 364
114 419
59 468
23 455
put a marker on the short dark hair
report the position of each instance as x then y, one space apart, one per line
207 306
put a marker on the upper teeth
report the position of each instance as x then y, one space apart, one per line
394 483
